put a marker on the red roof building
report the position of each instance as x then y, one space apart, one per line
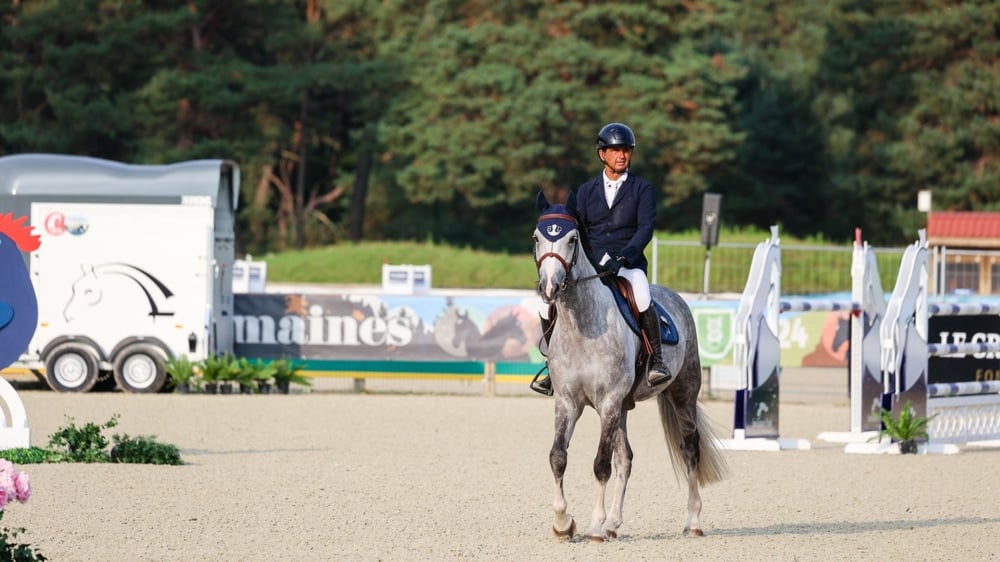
965 250
963 229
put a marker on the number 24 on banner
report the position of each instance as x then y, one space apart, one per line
792 333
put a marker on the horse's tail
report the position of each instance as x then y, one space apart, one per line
677 422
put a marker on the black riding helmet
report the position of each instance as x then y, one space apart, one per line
615 134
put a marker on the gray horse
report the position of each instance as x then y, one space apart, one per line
593 357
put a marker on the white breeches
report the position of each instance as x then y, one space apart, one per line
640 286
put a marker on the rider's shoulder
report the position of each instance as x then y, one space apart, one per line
592 183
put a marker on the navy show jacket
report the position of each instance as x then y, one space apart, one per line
627 227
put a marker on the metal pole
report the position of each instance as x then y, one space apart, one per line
708 267
656 260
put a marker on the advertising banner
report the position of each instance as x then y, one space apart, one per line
502 328
961 367
386 327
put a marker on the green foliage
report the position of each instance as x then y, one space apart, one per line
29 455
679 267
414 121
13 551
181 369
143 450
260 370
88 444
82 444
215 368
288 371
906 426
451 266
230 370
250 373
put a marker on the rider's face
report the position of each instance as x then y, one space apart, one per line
616 159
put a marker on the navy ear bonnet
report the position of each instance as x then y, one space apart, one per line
556 222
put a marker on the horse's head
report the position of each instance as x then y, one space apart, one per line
86 293
466 330
558 247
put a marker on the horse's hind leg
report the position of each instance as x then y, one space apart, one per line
693 450
565 421
692 454
623 469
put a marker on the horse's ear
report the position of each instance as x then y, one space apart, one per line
571 203
541 202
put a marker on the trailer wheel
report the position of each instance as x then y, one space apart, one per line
140 368
71 367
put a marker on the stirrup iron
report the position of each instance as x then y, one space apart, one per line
538 385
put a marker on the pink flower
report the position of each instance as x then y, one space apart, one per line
6 485
14 484
22 486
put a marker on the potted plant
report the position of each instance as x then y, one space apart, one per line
253 377
182 373
229 374
245 374
906 429
213 369
287 372
265 375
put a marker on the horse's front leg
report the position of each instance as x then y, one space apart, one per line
623 469
610 427
566 417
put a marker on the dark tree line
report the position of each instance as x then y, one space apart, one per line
356 120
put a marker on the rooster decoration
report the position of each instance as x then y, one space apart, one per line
18 305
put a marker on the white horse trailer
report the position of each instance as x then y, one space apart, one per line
134 267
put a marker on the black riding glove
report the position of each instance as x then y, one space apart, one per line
614 264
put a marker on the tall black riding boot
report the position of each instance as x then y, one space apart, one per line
543 385
658 373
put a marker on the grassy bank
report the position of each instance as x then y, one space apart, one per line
361 264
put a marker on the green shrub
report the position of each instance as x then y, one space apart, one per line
143 450
88 444
15 551
82 444
30 455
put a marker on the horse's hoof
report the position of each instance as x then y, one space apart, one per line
612 535
693 532
595 538
568 533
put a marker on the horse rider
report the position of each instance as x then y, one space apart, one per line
618 212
